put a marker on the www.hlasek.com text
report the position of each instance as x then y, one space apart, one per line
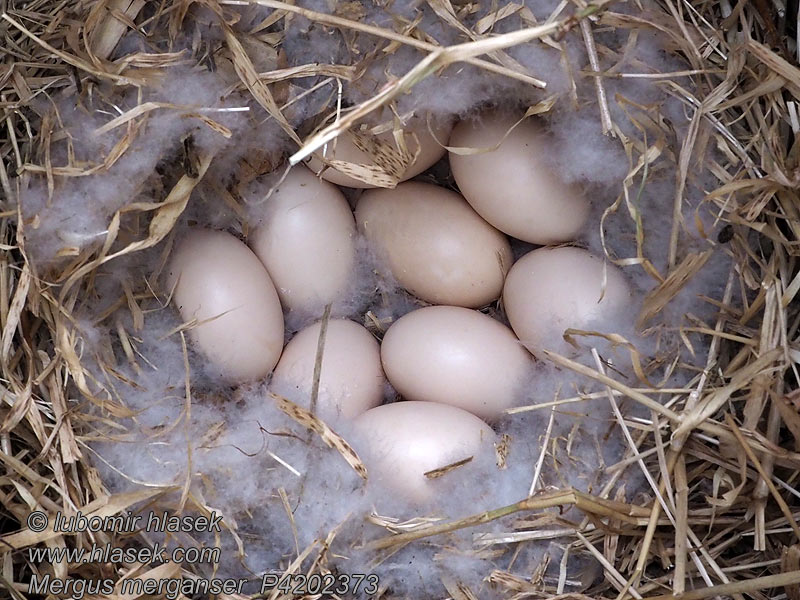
108 553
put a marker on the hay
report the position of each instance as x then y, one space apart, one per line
722 455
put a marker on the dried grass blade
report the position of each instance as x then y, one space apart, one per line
73 60
102 507
765 476
385 34
23 401
674 283
719 397
437 59
779 65
736 587
15 311
249 77
113 28
328 435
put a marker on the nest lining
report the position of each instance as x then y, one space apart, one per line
735 424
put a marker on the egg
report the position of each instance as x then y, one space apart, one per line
455 356
550 290
406 440
435 245
416 135
351 380
306 240
218 281
512 187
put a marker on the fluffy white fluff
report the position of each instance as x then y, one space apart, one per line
236 448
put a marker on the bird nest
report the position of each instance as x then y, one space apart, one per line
720 454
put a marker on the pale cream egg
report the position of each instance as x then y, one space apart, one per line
550 290
512 187
306 240
407 440
435 245
351 378
416 135
220 283
456 356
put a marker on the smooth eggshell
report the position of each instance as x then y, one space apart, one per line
405 440
456 356
351 379
511 187
437 247
550 290
306 241
416 135
220 282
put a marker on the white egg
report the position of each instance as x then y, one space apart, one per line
307 241
351 379
406 440
550 290
219 282
416 136
512 187
436 246
456 356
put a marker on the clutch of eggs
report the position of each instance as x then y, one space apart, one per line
456 369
